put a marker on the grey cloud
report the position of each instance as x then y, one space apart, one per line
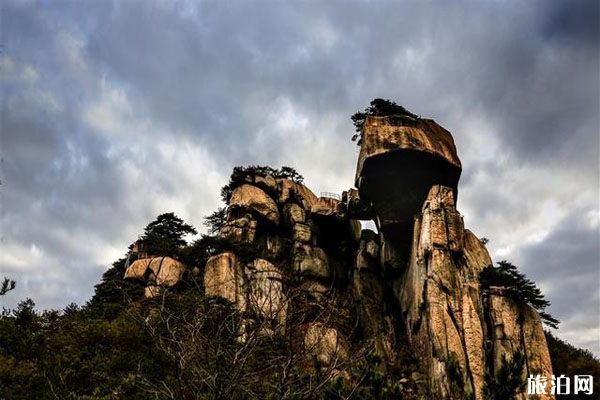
566 262
219 78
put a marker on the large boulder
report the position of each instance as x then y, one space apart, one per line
302 233
255 200
326 344
168 271
387 134
224 278
292 192
137 269
265 295
310 261
242 229
400 159
293 214
328 207
267 183
160 271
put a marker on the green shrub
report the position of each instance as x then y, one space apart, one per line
378 108
519 288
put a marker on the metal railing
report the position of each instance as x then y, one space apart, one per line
331 195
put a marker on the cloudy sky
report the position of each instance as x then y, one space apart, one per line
114 112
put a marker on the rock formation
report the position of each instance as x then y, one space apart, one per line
411 288
156 272
457 331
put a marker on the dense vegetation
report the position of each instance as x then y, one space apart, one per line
183 345
570 361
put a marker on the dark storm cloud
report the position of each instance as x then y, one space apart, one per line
116 111
568 249
566 262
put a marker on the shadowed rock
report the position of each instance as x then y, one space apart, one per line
400 159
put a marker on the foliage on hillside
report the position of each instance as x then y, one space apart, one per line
570 361
74 354
183 345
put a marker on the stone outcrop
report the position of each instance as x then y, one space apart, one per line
224 278
156 273
255 200
440 298
456 330
298 238
325 343
242 229
266 296
514 328
400 159
412 289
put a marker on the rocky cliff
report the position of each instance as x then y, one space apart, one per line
412 289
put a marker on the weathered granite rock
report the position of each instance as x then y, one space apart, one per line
368 255
517 328
168 271
293 214
412 289
356 207
266 183
441 300
224 278
354 230
292 192
387 134
242 229
315 291
152 291
302 233
415 284
368 291
137 269
265 295
255 200
161 271
310 261
445 312
274 245
325 343
328 207
400 159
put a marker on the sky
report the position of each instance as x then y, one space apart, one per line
114 112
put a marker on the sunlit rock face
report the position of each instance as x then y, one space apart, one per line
411 289
400 159
156 272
